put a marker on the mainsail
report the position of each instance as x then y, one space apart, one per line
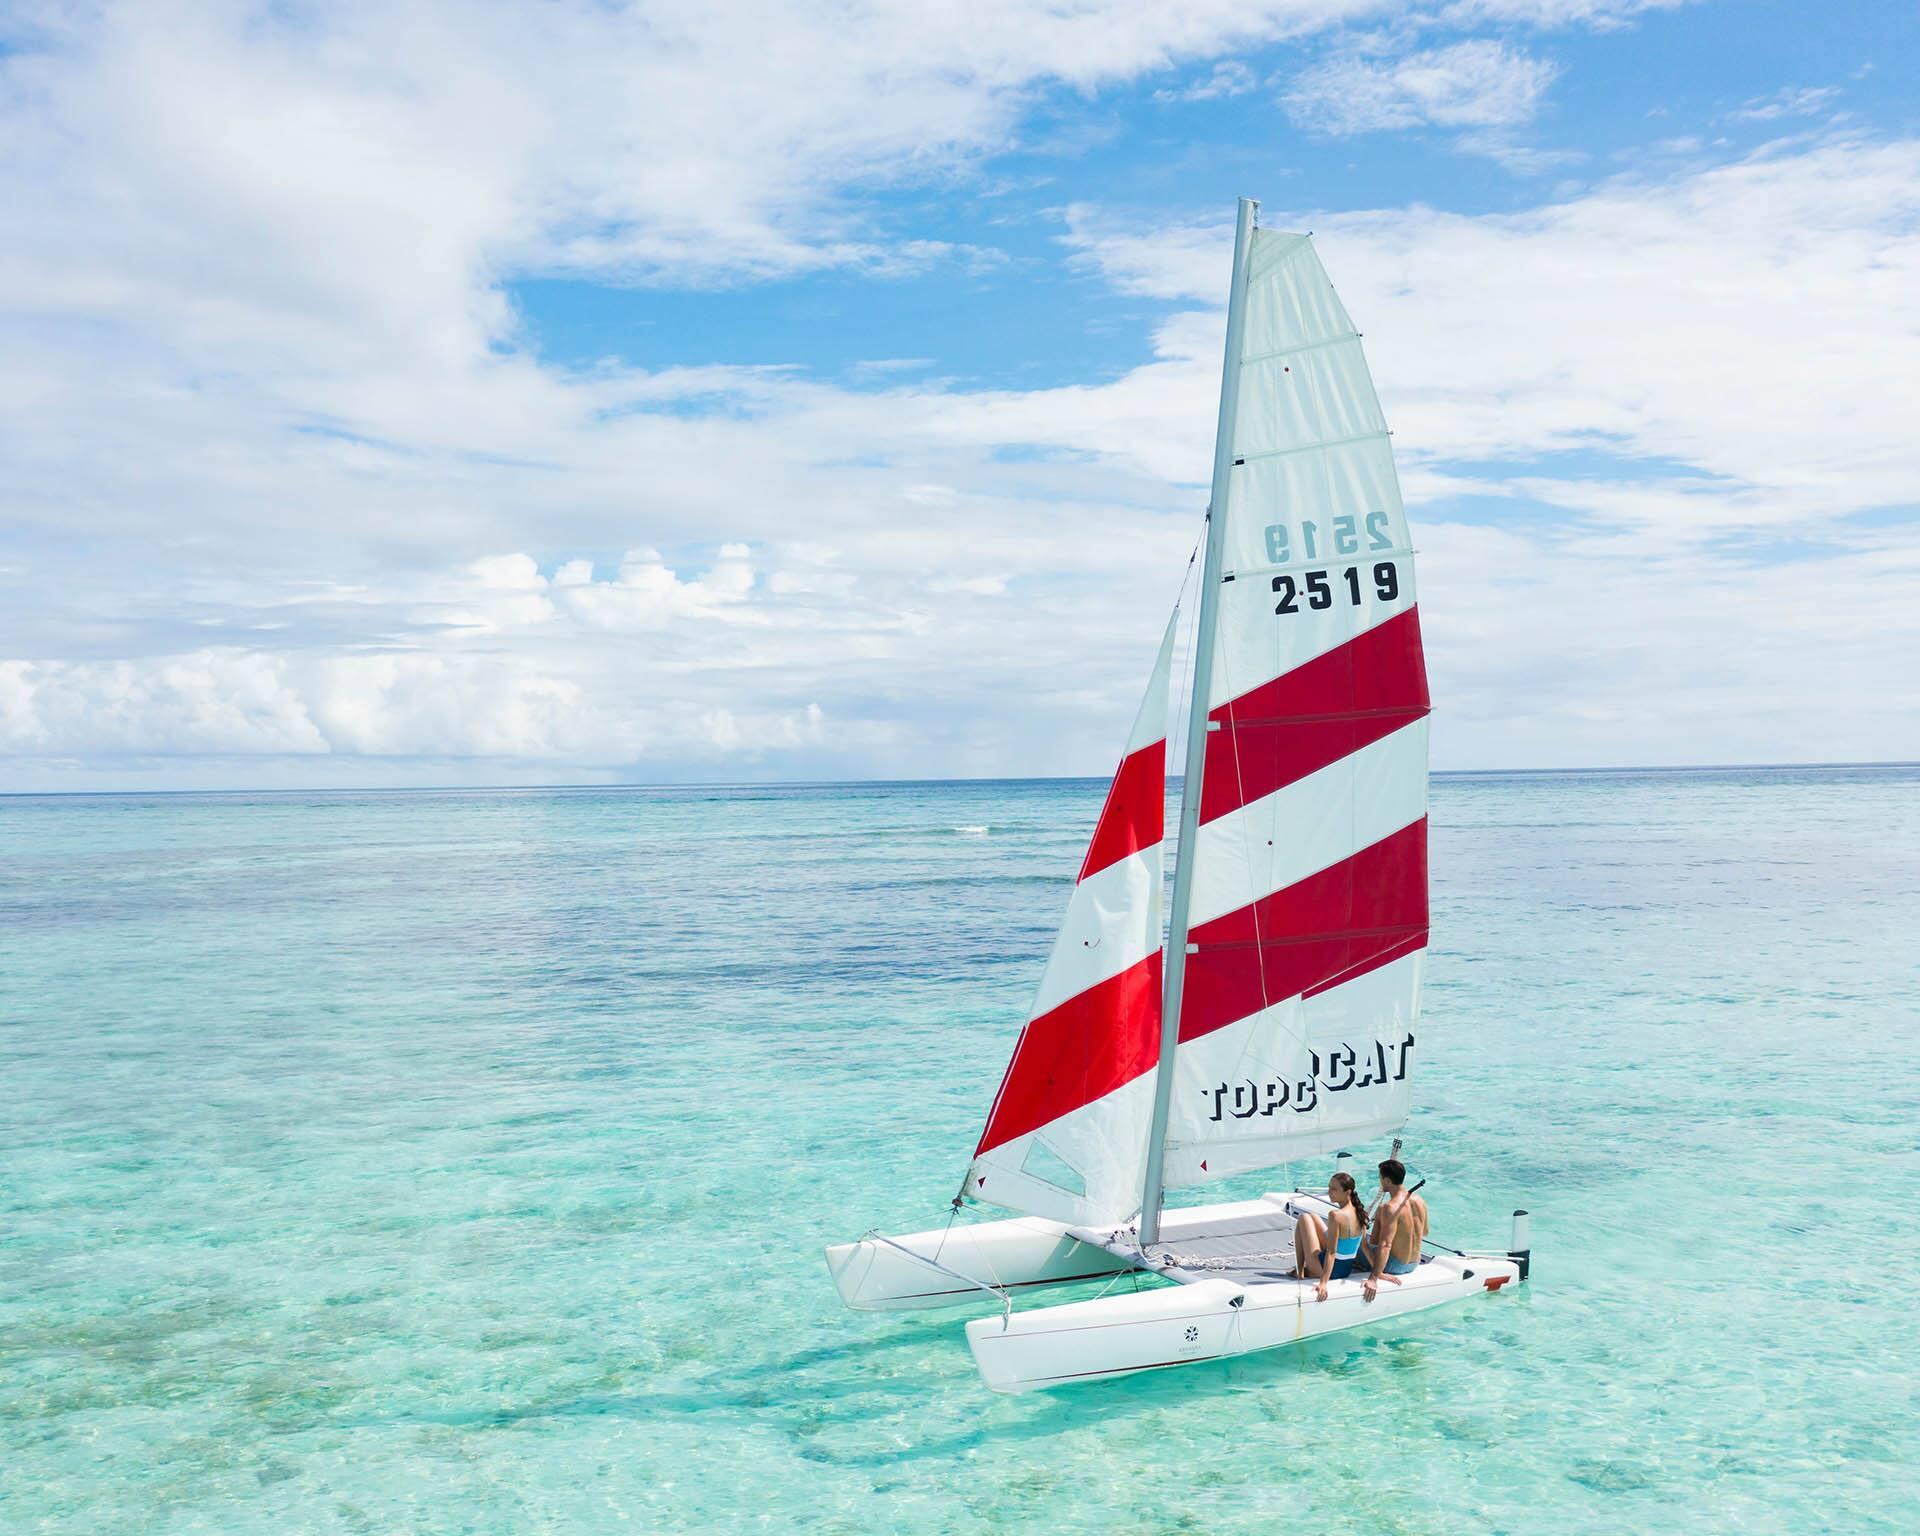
1300 896
1307 914
1067 1136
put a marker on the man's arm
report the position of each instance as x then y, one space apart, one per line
1381 1246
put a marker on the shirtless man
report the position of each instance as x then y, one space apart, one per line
1392 1249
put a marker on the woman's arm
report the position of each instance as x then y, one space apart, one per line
1329 1246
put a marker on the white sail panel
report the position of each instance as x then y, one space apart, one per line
1324 511
1307 1076
1102 934
1308 912
1067 1136
1280 839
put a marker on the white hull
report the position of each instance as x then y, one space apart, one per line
991 1263
1209 1320
873 1275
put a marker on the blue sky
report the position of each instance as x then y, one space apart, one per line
1622 97
417 393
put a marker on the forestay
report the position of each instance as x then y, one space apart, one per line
1308 913
1067 1136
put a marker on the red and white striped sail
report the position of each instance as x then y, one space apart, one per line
1308 916
1067 1137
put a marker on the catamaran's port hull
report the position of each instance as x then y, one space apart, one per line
1208 1320
1025 1253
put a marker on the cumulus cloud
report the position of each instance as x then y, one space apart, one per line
648 594
559 694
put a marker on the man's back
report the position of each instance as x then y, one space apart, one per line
1406 1216
1410 1231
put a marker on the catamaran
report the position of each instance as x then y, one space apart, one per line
1276 1018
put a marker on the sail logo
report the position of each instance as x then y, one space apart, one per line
1344 1069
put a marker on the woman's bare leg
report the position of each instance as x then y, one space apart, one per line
1308 1235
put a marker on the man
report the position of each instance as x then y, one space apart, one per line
1392 1249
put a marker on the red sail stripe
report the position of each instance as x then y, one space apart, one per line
1311 717
1372 960
1134 816
1348 919
1096 1041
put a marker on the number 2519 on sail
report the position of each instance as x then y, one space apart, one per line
1322 588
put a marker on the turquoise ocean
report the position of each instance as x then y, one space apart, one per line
461 1162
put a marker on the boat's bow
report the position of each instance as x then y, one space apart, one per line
958 1265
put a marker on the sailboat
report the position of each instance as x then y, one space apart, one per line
1272 1015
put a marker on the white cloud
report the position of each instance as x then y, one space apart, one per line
1600 15
203 155
1793 101
1758 321
1746 333
280 481
648 594
1230 77
1733 351
493 593
1171 261
1564 651
1475 85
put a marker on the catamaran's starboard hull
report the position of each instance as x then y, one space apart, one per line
1209 1320
874 1275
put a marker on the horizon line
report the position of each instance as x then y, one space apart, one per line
697 784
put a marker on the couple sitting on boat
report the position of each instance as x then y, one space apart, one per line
1342 1246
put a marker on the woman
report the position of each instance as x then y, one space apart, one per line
1327 1250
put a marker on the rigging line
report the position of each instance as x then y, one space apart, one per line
1353 794
1246 837
1177 730
1006 1296
1247 854
1118 1276
875 1235
945 1232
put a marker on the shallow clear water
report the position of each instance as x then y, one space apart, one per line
461 1162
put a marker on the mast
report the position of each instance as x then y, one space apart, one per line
1204 627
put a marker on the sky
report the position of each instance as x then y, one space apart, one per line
464 393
